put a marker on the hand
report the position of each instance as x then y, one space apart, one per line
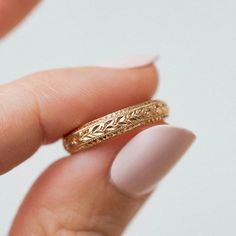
96 191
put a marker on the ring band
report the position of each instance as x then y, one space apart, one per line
114 124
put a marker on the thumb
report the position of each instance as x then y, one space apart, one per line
98 191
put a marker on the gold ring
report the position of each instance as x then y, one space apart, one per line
114 124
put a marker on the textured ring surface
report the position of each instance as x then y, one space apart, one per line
114 124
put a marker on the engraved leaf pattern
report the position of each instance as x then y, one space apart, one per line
123 121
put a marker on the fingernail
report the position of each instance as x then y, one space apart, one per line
148 157
131 62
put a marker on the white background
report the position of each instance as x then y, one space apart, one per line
196 41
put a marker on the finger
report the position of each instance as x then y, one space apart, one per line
43 107
12 12
82 195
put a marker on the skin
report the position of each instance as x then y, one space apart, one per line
89 204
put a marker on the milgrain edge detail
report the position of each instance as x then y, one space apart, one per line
115 123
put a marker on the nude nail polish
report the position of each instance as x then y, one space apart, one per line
131 62
148 157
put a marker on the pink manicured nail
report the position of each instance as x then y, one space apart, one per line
131 62
148 157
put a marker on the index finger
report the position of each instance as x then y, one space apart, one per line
43 107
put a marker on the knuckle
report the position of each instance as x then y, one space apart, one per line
49 224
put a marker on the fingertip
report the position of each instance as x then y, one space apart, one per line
131 62
142 66
12 12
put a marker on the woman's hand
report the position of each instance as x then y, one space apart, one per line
97 191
